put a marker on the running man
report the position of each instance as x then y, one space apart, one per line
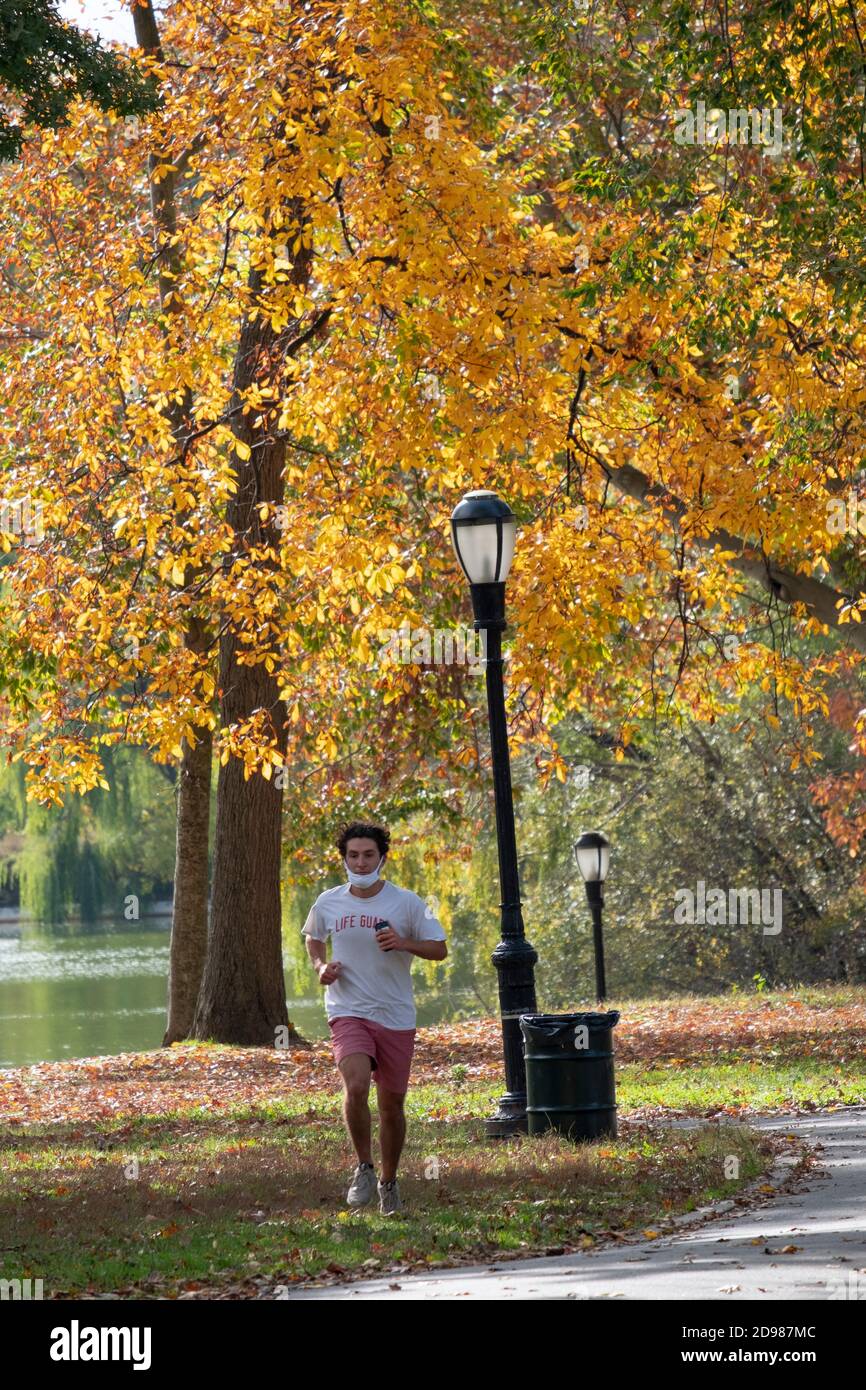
368 997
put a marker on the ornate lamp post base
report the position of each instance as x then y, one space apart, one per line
515 961
509 1120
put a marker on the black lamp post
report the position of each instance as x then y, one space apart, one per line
483 531
592 852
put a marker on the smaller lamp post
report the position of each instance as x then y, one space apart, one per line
592 852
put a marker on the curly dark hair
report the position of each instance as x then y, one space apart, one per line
358 830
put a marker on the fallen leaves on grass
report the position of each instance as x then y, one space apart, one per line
189 1075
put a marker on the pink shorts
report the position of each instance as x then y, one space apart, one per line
389 1048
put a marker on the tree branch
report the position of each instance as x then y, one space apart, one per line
819 598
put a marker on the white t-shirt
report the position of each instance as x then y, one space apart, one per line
373 983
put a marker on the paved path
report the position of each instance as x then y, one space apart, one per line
723 1259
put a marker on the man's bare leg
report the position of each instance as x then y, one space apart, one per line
392 1130
356 1070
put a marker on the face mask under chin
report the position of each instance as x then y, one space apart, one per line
363 880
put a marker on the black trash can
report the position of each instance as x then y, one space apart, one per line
569 1074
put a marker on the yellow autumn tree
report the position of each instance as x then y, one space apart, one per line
365 257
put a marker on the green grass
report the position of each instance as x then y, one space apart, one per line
225 1194
260 1191
761 1083
818 996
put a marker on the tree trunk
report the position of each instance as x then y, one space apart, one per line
189 913
243 995
243 992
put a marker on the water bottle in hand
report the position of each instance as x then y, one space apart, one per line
381 926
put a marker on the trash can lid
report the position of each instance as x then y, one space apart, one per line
587 1018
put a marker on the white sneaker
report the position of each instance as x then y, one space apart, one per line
363 1186
389 1198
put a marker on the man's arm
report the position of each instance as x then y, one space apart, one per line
429 950
316 952
327 971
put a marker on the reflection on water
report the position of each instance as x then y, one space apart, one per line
93 996
84 958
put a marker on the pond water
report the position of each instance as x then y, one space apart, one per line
90 996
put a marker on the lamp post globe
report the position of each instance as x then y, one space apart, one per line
483 533
592 852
